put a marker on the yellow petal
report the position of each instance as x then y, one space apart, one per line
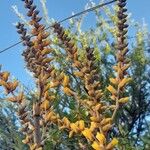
14 85
66 121
81 125
47 60
74 127
97 107
48 116
123 100
54 84
26 140
93 126
5 76
124 82
95 119
68 91
88 134
113 80
107 127
71 134
78 74
95 145
101 138
113 97
106 121
112 90
46 43
112 144
66 81
3 83
46 51
45 105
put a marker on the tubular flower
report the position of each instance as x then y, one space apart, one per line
112 144
96 145
88 134
101 138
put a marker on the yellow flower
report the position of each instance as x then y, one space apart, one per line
106 127
123 100
5 76
68 91
46 51
66 122
81 125
93 126
26 140
78 74
48 116
97 107
95 145
45 105
95 119
113 80
71 134
74 127
113 97
54 84
112 90
101 138
88 134
106 121
65 81
124 82
47 60
112 144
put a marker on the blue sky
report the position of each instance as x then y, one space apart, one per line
12 60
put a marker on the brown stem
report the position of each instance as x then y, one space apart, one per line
36 118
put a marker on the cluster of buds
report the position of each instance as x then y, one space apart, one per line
119 82
27 126
10 88
88 72
98 140
38 58
67 42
